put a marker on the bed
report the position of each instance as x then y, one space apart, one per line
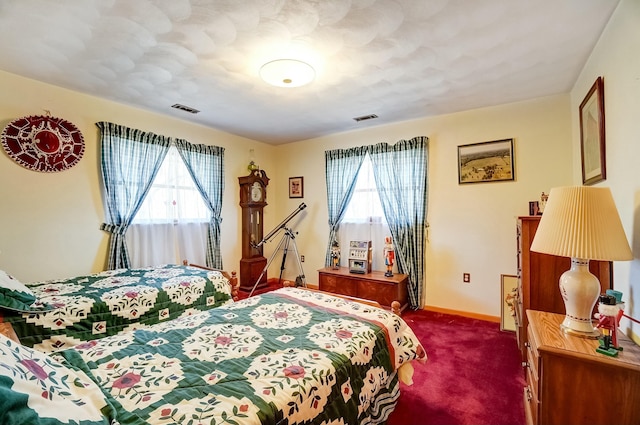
57 314
291 356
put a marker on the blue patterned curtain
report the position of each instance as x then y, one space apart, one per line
400 172
206 167
341 172
130 160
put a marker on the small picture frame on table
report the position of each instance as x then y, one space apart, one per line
296 187
534 208
508 289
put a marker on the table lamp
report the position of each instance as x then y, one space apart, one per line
581 222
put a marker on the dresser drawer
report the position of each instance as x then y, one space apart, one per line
530 408
532 390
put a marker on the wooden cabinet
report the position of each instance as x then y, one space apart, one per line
539 276
373 286
7 330
569 383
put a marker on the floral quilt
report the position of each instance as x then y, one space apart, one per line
89 307
290 356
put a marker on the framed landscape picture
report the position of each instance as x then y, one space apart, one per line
486 162
592 144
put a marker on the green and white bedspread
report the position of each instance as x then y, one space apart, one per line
89 307
286 357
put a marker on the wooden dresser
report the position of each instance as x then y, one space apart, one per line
539 276
569 383
370 286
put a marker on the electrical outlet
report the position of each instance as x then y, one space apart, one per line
466 277
302 258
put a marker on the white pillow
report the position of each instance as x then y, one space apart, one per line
14 295
36 388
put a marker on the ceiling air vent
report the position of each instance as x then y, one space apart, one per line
185 108
365 117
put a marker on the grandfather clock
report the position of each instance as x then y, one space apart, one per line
253 199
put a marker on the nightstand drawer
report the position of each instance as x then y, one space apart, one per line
533 361
533 383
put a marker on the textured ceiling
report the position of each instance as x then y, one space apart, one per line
398 59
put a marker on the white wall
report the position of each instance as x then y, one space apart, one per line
616 58
473 226
49 222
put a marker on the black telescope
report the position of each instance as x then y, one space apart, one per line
281 225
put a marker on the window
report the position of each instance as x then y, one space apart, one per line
365 206
364 218
173 197
171 224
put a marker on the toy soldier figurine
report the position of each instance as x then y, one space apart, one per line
543 202
608 315
335 255
389 256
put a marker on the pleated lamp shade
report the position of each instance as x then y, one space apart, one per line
582 222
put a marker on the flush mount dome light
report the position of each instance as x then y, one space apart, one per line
287 73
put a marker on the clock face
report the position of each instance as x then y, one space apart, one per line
256 192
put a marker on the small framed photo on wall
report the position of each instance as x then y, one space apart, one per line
296 187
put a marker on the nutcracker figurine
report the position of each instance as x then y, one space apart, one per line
543 202
335 255
610 311
389 256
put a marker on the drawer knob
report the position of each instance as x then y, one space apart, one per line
525 364
529 395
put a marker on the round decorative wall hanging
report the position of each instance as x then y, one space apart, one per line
43 143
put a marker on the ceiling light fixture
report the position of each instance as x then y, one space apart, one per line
287 73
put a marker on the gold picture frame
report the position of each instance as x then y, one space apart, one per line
508 304
486 162
592 135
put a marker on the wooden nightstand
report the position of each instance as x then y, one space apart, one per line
7 330
569 383
538 277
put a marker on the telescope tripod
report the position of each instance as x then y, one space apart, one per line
288 238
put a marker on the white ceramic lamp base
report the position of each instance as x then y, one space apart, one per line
580 290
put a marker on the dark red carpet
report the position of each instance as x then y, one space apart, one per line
473 375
